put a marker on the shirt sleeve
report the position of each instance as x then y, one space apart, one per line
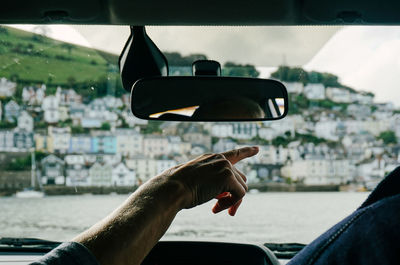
70 253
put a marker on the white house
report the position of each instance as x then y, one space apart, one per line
327 129
339 95
76 171
294 87
23 140
164 164
61 138
145 168
11 111
358 111
155 145
7 88
6 141
363 98
177 146
69 97
223 145
80 144
100 174
96 109
196 135
319 171
241 130
25 121
63 113
129 142
290 123
112 102
370 169
221 130
50 107
314 91
267 133
198 149
123 176
52 170
34 95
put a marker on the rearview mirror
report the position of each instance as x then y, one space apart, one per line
208 98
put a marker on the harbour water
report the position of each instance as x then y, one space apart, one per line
262 217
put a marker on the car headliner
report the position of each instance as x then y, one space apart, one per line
209 12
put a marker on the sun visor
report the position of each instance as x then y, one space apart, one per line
72 11
355 11
182 12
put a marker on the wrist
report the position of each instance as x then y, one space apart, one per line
174 193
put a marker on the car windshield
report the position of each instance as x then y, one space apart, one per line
71 151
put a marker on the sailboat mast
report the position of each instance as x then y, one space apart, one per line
33 168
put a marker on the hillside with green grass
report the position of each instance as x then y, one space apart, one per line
25 56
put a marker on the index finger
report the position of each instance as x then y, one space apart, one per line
236 155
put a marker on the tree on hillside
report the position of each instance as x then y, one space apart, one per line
288 74
233 69
67 46
176 59
388 137
71 81
105 126
152 127
3 30
298 74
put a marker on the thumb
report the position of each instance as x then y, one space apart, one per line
236 155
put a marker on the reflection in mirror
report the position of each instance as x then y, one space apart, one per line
209 99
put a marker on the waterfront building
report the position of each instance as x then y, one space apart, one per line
61 137
52 170
100 174
23 140
80 144
123 176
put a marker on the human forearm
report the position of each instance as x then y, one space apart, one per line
129 233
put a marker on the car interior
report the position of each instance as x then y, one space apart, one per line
155 95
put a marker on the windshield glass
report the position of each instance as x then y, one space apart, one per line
71 151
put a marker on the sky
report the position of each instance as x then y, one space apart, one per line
364 57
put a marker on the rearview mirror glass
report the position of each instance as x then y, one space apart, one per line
206 98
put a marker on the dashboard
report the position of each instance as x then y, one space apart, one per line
174 253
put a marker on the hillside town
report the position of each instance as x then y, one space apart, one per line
338 136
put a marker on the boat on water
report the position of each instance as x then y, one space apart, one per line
29 193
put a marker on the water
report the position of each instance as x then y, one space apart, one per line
262 217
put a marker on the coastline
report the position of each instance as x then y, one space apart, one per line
253 188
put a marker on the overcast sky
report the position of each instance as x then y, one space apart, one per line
366 58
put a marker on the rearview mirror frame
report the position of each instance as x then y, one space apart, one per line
147 86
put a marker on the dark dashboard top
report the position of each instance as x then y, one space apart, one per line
222 12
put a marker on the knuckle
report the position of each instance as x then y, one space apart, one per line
226 172
225 163
242 192
219 156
